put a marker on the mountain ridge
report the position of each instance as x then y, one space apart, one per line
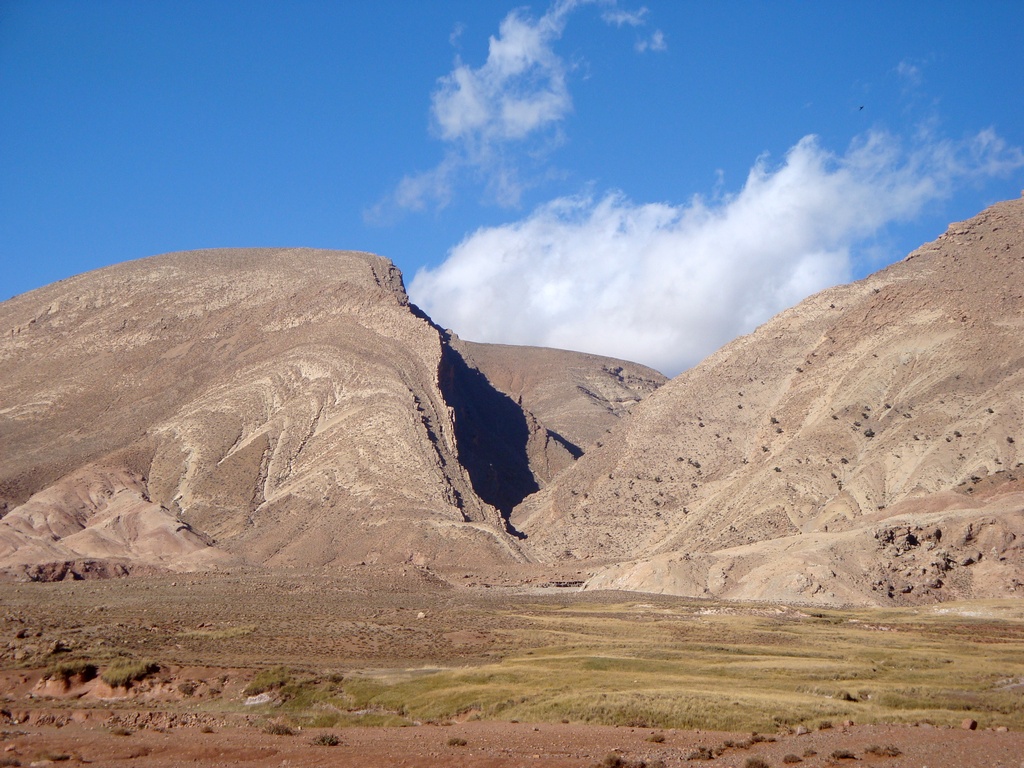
893 389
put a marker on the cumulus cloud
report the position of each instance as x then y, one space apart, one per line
668 284
508 109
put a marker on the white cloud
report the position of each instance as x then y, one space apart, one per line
656 42
509 108
519 89
668 284
620 16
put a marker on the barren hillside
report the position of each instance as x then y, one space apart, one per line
864 446
278 407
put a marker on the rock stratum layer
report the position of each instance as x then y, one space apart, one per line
862 447
273 407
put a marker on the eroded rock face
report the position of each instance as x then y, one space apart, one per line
766 470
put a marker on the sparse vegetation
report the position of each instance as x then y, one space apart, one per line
66 670
886 751
268 680
698 664
275 728
326 740
702 753
124 672
615 760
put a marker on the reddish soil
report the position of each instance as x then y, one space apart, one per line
88 739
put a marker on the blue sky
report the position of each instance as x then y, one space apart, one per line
645 180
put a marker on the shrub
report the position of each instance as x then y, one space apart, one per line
206 729
123 673
886 751
755 762
824 725
326 740
701 753
120 730
188 687
842 754
65 670
278 729
791 758
657 738
455 741
618 761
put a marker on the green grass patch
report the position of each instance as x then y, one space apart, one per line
268 680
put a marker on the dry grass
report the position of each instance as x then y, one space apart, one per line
614 658
123 672
728 671
66 670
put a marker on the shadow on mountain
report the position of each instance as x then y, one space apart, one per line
492 433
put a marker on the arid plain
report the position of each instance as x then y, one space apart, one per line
258 508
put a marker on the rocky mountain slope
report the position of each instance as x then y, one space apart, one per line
278 407
579 396
864 446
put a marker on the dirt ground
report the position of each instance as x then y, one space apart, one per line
493 744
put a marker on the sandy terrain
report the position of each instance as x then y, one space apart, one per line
490 745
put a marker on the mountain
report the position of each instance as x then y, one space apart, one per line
290 408
864 446
270 407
